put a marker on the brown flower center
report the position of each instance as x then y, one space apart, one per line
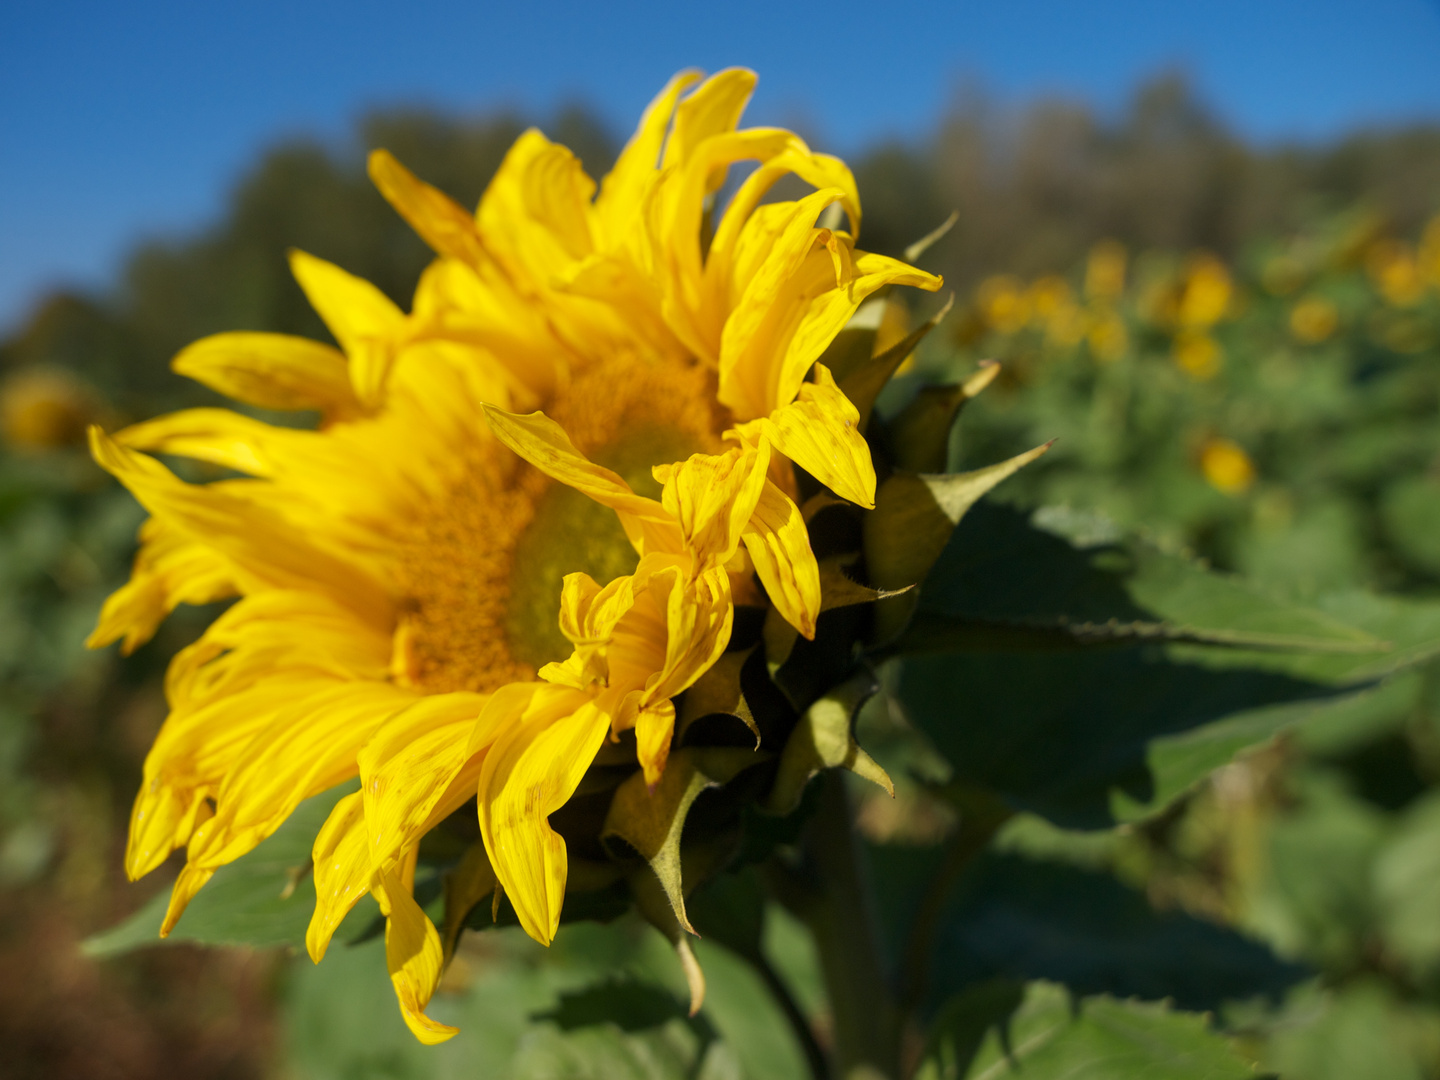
481 577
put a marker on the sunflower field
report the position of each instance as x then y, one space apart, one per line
1059 685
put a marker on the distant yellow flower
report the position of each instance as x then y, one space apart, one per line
45 408
1198 355
1003 303
1107 336
522 525
1396 274
1206 293
1428 257
1226 466
1049 295
1313 320
1105 272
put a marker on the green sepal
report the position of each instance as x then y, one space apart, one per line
919 435
718 691
825 739
914 517
838 589
863 383
854 345
914 250
652 822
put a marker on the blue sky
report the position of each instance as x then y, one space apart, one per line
126 120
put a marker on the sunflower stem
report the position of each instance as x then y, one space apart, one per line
840 913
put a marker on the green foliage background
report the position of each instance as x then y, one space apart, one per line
1179 814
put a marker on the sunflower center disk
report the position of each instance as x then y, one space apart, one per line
482 576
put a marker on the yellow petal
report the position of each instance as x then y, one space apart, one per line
832 310
265 549
441 222
161 820
273 371
654 728
674 225
713 109
257 660
480 308
413 956
170 569
623 189
698 617
191 880
416 771
363 319
218 436
637 645
779 546
304 750
798 319
769 252
820 432
712 497
588 615
543 443
558 194
817 170
589 611
195 750
530 773
534 216
342 872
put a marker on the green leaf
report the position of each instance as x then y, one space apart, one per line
1050 1038
469 882
1410 511
1362 1031
731 910
262 899
1090 738
1017 917
934 236
1315 895
959 1030
1012 577
602 1001
1407 888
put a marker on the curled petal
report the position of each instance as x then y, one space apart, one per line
820 432
530 772
413 955
779 546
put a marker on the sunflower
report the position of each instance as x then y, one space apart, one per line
522 524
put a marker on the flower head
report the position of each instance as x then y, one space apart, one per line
523 525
